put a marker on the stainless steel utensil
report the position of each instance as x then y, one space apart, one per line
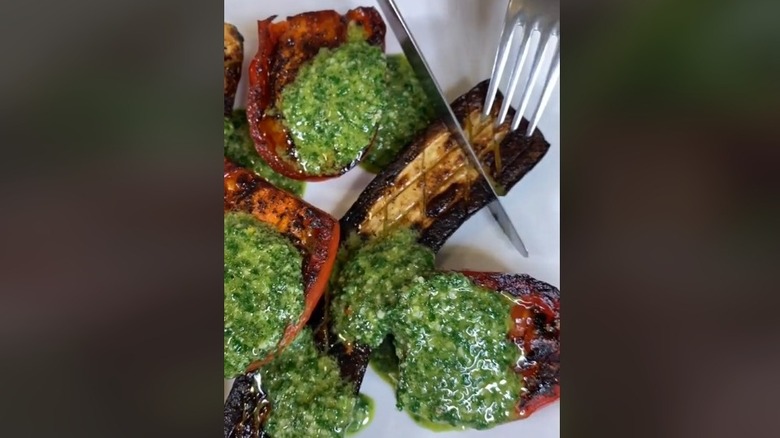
542 16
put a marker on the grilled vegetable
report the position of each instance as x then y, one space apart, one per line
519 365
301 395
286 50
313 232
263 290
234 58
432 187
536 331
246 409
240 149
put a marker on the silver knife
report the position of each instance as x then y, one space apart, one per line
436 96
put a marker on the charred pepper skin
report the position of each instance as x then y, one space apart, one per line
314 232
283 48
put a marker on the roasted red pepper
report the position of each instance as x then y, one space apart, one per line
276 65
315 233
537 331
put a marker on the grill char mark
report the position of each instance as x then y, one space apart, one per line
246 410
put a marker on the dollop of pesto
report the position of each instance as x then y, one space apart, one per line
407 112
263 290
308 396
333 107
371 281
455 362
438 339
240 149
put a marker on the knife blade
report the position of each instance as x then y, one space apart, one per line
435 95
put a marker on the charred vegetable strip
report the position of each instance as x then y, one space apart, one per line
283 48
234 58
431 187
246 409
312 231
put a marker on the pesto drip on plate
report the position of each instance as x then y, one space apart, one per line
408 111
334 105
440 340
240 149
308 396
263 290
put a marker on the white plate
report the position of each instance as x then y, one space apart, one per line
458 38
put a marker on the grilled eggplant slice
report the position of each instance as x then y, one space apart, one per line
246 409
432 187
315 233
234 58
283 48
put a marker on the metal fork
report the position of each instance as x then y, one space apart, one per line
542 16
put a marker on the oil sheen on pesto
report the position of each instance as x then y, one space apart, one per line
263 290
334 105
455 363
406 114
370 282
308 396
240 149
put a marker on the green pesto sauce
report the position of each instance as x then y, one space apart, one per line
407 113
240 149
308 396
371 281
263 290
434 427
437 338
384 361
455 363
362 416
333 107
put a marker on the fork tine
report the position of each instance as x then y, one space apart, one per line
544 39
525 44
552 79
499 63
499 66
